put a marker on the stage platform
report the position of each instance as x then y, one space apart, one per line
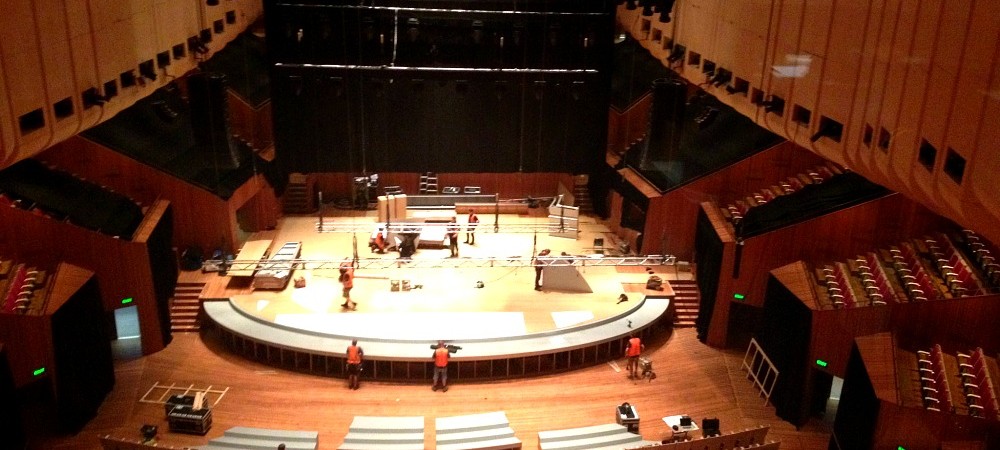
506 328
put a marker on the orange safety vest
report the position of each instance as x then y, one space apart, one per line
441 357
353 354
634 347
349 278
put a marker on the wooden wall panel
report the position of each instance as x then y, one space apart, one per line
508 185
671 218
28 340
55 50
200 217
916 69
626 127
121 267
957 324
252 124
837 236
834 330
918 428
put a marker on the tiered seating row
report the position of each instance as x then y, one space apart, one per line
19 287
876 282
737 210
934 380
977 384
983 257
747 439
838 286
388 433
610 435
912 276
263 439
487 431
952 267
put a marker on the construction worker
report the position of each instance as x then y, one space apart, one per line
441 356
632 351
354 355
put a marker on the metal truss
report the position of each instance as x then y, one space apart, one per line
448 263
368 227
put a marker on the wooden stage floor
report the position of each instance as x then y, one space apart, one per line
507 304
692 379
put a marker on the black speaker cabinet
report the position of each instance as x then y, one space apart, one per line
210 118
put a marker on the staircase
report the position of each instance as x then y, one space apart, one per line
296 198
581 195
184 307
687 299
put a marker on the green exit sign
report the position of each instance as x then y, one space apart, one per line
739 297
821 363
126 301
900 447
38 371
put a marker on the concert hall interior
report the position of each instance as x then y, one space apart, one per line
791 204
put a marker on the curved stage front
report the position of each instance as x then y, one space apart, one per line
397 345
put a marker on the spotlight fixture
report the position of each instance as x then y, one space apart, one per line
828 128
676 54
774 104
647 7
664 7
91 97
721 76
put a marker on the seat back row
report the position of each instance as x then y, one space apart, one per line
952 267
977 384
738 209
934 387
983 257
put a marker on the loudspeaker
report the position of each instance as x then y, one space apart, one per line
210 119
665 116
710 427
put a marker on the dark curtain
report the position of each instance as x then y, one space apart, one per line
84 372
163 264
784 335
11 427
857 414
708 250
65 196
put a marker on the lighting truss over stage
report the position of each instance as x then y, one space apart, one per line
368 228
447 263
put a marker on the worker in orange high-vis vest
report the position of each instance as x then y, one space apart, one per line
347 280
354 355
632 351
441 356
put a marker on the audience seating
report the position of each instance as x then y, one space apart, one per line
934 387
263 439
738 209
838 286
19 288
752 438
486 431
876 283
388 433
952 267
911 274
983 257
977 384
